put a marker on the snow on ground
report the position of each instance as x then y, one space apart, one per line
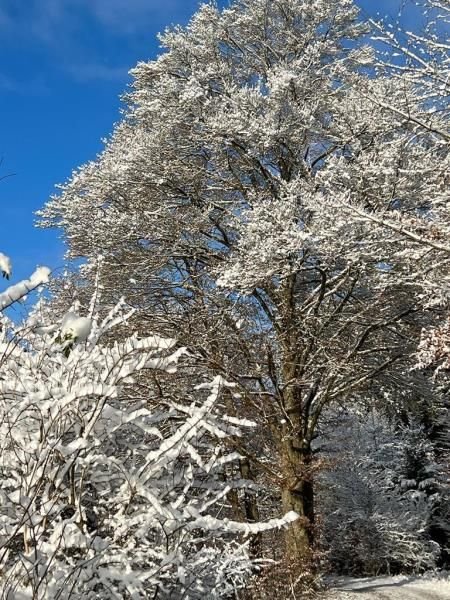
389 588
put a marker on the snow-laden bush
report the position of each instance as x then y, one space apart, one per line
379 497
106 493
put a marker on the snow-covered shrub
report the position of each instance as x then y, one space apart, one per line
106 493
379 497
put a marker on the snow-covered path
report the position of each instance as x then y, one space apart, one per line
389 588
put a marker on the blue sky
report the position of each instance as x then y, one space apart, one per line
63 66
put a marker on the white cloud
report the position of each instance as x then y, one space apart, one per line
97 72
36 86
127 16
5 20
61 26
7 84
123 17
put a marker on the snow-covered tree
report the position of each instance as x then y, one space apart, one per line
433 359
281 207
379 496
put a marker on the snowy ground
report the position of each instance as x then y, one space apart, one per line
389 588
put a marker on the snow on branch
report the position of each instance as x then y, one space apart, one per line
19 290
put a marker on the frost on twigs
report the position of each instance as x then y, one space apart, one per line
105 494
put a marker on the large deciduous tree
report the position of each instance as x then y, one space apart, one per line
272 198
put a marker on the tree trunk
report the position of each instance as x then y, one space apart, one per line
297 491
251 509
298 495
296 462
